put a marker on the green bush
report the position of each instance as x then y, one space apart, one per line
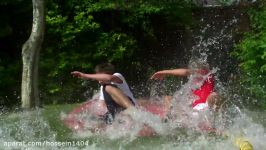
251 52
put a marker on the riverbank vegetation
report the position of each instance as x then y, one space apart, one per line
251 53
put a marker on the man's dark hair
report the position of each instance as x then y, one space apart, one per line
105 68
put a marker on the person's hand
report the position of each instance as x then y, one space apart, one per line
158 75
77 74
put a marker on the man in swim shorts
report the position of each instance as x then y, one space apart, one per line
203 80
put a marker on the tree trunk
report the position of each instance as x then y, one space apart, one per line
30 57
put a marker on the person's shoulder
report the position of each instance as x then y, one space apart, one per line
118 74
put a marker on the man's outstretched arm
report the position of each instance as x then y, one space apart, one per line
99 77
175 72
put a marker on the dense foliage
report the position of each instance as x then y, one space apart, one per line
251 52
81 34
85 33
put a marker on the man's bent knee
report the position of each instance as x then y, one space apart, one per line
214 100
110 89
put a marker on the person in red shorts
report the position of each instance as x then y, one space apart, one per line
202 79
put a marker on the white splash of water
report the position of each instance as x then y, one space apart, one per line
28 126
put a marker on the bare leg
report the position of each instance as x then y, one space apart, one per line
119 97
167 101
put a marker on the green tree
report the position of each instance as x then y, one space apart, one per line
79 35
82 33
251 52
